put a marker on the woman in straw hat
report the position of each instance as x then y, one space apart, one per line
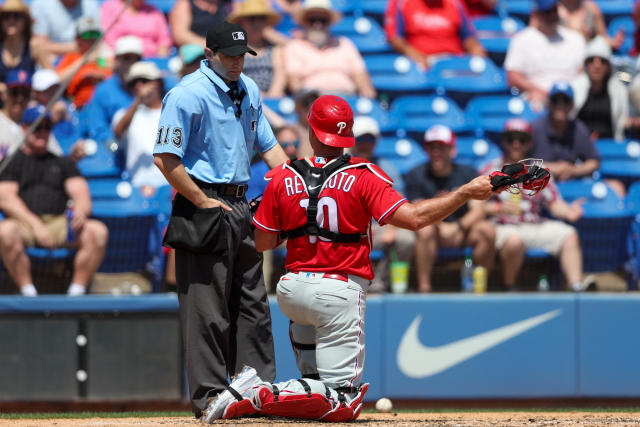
267 69
15 39
322 62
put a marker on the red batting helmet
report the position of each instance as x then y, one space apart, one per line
331 119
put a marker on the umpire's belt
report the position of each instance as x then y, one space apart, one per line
223 189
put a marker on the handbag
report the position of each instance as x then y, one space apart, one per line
196 229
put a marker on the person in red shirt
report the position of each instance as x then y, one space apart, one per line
424 29
324 205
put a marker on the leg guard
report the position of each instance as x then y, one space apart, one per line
347 411
295 404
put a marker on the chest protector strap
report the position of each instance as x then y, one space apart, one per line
314 179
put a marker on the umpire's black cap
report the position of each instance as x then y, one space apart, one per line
229 39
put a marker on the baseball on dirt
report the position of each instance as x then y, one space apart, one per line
384 405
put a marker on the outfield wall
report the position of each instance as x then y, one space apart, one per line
438 346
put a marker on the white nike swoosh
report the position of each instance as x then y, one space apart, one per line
416 360
314 187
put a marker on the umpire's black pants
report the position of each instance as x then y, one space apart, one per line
224 310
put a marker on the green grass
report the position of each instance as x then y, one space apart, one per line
47 415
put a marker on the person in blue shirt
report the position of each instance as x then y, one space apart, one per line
112 94
209 125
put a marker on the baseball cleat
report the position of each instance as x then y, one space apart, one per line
236 400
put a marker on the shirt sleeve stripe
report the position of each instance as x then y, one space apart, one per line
264 227
391 209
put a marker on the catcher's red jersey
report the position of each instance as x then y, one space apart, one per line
346 204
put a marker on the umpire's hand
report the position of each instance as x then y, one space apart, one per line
214 203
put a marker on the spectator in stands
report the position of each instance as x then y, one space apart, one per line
303 100
320 61
16 50
190 19
481 7
84 76
15 103
564 143
138 126
635 15
585 17
543 53
54 27
34 191
112 94
388 239
45 84
266 69
190 55
140 19
425 29
465 227
601 101
520 224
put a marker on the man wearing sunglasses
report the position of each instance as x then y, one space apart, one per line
561 141
35 188
15 103
520 224
543 53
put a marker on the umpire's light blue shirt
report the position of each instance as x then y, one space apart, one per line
199 124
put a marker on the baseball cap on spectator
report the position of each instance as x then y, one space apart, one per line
598 47
249 8
544 5
441 134
517 127
17 78
88 28
43 79
128 44
144 70
561 88
31 114
189 53
314 6
228 39
365 125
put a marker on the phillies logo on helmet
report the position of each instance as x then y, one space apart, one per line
341 126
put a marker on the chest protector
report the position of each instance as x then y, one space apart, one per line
314 179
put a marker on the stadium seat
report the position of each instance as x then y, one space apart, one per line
464 77
396 75
611 150
604 226
285 107
405 153
632 266
476 152
520 9
624 23
489 113
612 9
362 106
364 32
495 32
164 5
620 160
103 163
374 8
417 113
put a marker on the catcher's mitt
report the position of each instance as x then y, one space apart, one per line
533 176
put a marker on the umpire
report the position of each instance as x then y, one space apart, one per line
208 128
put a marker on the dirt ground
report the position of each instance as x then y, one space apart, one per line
458 419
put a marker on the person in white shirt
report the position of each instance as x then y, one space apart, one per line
543 53
137 126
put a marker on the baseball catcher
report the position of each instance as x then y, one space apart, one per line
323 205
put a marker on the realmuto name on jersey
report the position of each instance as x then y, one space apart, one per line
341 181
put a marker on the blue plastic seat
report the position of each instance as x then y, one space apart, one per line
476 152
520 9
396 75
285 107
624 23
164 5
610 149
373 7
495 32
465 77
103 163
362 106
417 113
405 153
364 32
488 114
620 160
615 8
604 226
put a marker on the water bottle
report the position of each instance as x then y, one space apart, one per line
466 275
71 234
543 284
479 280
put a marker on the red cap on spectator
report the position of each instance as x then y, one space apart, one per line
441 134
517 125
